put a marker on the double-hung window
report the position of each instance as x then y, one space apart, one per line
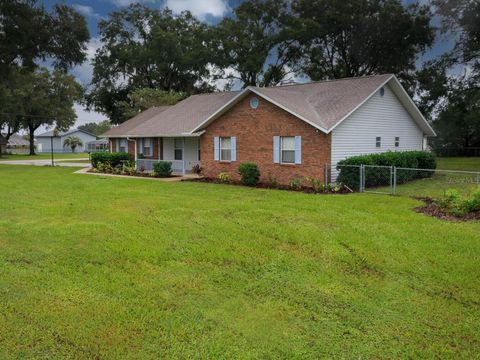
178 149
225 149
147 147
123 145
397 141
378 142
287 149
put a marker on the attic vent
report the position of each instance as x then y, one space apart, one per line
382 91
254 102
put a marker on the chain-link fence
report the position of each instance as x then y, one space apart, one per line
406 181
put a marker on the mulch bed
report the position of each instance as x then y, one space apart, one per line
432 209
304 189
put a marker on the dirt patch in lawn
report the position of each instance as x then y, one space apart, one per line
431 208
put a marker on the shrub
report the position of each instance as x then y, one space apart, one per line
114 158
453 203
249 174
272 181
316 184
162 168
197 169
350 176
295 184
224 177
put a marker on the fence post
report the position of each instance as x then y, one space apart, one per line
362 174
326 173
394 180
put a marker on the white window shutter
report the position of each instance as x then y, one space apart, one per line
298 149
233 144
216 148
276 149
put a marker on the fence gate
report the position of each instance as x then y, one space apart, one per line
377 179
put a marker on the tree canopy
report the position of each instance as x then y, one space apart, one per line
29 33
96 128
148 48
256 43
360 37
47 99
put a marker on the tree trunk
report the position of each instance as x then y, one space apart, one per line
31 139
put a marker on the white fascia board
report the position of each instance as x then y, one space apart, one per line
358 106
241 95
415 112
288 110
222 110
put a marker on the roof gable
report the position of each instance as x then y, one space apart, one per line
323 105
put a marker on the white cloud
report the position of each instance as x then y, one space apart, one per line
84 116
86 11
129 2
199 8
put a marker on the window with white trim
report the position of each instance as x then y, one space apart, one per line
287 149
123 145
397 141
147 147
378 142
178 149
225 149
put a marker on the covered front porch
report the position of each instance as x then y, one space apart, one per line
182 152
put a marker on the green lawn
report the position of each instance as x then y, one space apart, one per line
44 156
435 186
459 163
109 268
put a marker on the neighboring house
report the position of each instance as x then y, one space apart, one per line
289 131
3 145
17 144
97 145
44 140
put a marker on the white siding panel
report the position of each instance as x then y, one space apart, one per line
382 116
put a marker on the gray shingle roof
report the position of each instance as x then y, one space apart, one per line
323 104
176 120
62 133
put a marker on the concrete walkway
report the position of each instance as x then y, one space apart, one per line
47 162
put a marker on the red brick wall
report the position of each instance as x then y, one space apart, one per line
255 129
131 147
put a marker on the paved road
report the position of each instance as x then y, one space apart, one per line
46 162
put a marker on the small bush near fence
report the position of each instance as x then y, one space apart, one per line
162 168
249 173
114 159
350 175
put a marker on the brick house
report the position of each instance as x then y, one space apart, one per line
289 131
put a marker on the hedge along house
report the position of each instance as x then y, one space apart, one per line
289 131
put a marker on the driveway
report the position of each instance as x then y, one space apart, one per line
47 162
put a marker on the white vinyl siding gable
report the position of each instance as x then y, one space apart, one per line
380 117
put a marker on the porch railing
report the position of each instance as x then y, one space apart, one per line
179 167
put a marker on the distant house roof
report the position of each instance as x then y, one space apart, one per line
323 104
98 142
16 140
63 133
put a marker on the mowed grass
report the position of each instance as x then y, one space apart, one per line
43 156
440 182
109 268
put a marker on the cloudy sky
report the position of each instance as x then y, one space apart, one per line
210 11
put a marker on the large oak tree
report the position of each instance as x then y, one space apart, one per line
360 37
147 48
